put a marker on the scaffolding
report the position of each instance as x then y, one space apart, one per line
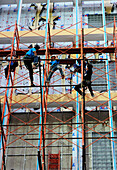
75 129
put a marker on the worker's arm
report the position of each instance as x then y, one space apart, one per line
35 53
48 62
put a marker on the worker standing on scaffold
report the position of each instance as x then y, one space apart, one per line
31 54
86 82
13 66
54 66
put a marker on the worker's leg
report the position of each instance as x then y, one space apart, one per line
6 71
78 69
28 65
61 71
35 60
90 88
52 70
77 88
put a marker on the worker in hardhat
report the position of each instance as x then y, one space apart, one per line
54 66
32 55
12 66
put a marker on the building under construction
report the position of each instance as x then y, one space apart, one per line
51 126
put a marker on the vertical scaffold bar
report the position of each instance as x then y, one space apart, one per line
4 122
83 102
109 93
46 33
5 112
115 44
2 139
40 121
47 21
41 112
77 99
18 16
19 12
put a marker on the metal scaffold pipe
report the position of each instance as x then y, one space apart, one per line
77 104
109 88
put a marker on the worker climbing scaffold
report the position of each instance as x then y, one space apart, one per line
54 66
86 82
31 54
12 66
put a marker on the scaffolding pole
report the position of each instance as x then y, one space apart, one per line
115 44
2 151
42 89
6 107
83 102
109 93
4 119
39 164
77 99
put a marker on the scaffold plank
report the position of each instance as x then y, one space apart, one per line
59 98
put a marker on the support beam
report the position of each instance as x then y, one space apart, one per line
109 92
52 51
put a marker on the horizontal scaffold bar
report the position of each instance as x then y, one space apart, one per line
58 85
63 154
101 137
62 61
102 122
52 51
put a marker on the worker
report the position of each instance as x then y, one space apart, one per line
12 66
54 66
30 46
31 54
77 67
86 82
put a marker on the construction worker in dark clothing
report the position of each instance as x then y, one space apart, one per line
31 54
12 66
86 82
